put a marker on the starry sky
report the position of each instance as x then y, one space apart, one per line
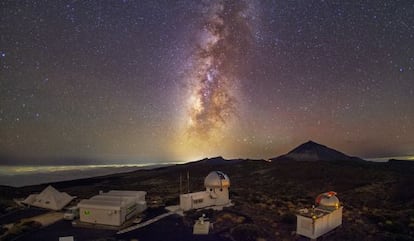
158 81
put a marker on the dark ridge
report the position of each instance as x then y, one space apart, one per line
214 161
312 151
398 160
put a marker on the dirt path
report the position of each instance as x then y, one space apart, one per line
45 219
148 222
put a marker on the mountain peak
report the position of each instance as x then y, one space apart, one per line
312 151
308 147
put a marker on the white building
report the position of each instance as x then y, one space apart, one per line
201 226
112 208
49 198
315 222
216 194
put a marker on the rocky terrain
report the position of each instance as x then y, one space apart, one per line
377 197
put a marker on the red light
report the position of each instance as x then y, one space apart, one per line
331 193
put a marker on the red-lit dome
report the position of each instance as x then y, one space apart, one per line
327 199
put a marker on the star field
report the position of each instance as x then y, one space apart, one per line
150 81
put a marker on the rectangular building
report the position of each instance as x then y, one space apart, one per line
112 208
315 223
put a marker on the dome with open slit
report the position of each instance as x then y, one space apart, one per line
216 179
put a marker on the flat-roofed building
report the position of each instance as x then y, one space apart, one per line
112 208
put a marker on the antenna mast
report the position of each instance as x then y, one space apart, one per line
188 182
181 183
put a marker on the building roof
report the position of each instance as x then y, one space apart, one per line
49 198
327 199
113 200
196 195
101 204
313 213
139 195
217 179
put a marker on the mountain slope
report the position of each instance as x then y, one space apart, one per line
219 160
312 151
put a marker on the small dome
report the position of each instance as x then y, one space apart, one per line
328 199
217 179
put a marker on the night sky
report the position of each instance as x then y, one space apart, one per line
155 81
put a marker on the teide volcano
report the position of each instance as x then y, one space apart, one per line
312 151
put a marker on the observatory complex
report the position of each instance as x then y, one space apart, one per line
326 216
216 194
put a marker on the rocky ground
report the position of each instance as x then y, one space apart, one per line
377 197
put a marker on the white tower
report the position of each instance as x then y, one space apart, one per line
217 185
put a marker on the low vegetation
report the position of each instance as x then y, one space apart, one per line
377 197
19 229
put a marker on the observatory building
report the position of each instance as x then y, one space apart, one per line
319 220
112 208
216 194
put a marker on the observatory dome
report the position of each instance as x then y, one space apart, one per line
216 179
328 199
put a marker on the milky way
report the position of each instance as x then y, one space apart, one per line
156 80
213 80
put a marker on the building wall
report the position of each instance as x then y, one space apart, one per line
100 216
304 226
220 196
130 211
315 228
185 202
195 200
328 222
141 206
211 197
201 202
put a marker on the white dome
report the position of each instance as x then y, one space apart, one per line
328 199
216 179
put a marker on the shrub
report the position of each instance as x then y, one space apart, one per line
246 232
3 230
288 218
172 201
374 218
394 227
